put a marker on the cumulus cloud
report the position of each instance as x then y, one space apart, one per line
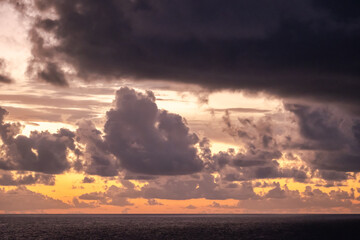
148 140
259 154
139 138
142 142
97 160
40 152
315 141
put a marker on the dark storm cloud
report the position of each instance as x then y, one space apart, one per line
148 140
319 125
40 152
343 12
333 175
297 48
326 138
332 135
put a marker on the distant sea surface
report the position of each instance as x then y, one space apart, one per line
179 227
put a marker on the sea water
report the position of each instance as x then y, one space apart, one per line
129 226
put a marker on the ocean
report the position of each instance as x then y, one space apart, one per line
131 226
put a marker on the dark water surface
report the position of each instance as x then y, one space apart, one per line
179 227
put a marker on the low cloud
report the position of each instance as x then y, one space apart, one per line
10 179
282 199
22 199
88 180
153 202
148 140
40 152
140 138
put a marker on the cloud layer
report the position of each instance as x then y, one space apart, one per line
315 145
303 48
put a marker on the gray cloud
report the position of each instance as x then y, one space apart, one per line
218 205
40 152
259 158
94 196
148 140
277 199
153 202
51 73
96 158
325 137
4 78
81 204
138 138
283 199
191 207
113 196
8 179
88 180
319 125
176 188
302 48
22 199
331 134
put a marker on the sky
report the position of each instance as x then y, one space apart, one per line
154 106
